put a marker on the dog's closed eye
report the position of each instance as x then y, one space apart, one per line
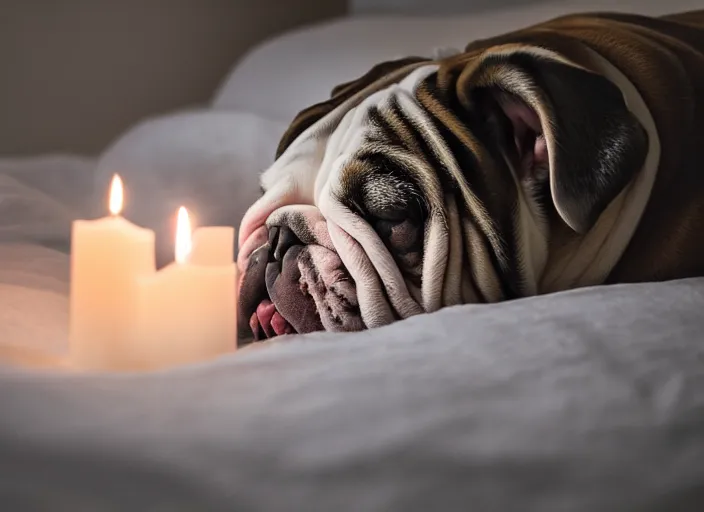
404 239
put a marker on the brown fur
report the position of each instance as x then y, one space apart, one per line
663 57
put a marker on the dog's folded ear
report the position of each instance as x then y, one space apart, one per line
595 144
389 71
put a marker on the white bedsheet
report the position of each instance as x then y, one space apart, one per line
38 199
39 196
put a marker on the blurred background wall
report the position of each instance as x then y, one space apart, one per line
434 7
75 73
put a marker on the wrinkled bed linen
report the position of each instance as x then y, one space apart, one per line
580 401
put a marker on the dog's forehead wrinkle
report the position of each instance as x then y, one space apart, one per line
314 157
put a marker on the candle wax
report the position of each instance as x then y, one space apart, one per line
184 313
213 245
107 257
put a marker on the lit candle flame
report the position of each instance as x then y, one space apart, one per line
116 195
183 236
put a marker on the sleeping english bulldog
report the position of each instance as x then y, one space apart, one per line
567 154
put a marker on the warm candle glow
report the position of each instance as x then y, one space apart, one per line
183 236
116 195
108 257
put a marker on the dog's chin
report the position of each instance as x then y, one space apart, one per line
308 290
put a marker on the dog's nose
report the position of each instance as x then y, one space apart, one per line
281 239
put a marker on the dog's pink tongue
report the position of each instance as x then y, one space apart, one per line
280 325
265 312
271 320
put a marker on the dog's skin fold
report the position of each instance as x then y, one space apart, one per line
563 155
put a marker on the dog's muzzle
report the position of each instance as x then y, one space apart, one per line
291 287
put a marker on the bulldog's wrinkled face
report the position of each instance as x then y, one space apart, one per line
295 281
428 185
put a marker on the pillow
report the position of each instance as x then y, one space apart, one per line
206 160
297 69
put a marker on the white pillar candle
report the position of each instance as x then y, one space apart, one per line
184 313
213 246
107 257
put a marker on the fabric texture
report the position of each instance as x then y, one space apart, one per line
580 401
40 196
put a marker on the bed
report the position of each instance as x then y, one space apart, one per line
586 400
